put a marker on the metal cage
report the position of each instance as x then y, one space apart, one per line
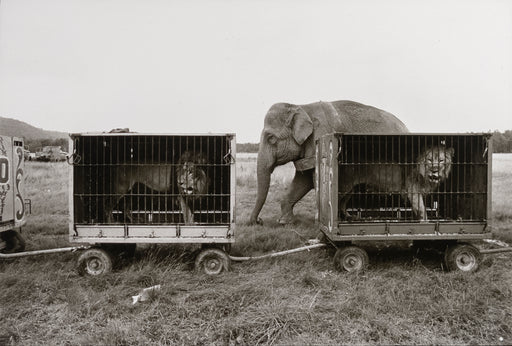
404 185
129 187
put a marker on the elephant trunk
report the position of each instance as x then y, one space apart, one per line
264 171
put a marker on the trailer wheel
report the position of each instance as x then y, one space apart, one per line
212 261
94 262
14 242
462 257
351 259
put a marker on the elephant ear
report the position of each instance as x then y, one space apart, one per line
300 123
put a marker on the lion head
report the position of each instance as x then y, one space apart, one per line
191 177
435 164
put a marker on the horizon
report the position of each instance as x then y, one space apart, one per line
238 142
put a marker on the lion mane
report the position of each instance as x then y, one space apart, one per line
192 181
431 168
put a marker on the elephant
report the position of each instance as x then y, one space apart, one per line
289 134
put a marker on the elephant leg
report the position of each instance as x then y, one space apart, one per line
301 184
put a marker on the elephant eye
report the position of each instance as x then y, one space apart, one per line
272 139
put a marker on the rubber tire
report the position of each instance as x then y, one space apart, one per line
212 261
95 262
352 259
462 257
14 242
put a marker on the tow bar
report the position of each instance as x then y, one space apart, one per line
42 252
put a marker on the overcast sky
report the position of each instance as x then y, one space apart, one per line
218 65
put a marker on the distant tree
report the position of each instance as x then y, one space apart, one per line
62 142
46 142
502 142
36 144
247 147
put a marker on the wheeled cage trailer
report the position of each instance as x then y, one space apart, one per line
13 206
363 193
129 188
109 221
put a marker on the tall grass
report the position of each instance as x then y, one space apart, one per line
46 186
501 196
404 298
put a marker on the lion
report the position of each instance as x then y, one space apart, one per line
191 181
432 167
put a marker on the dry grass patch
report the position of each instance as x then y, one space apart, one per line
404 298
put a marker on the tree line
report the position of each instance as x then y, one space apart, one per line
247 147
35 144
502 143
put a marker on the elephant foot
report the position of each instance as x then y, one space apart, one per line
257 221
285 219
286 213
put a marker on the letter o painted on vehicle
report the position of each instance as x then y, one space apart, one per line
4 170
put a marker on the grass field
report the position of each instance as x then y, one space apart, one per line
298 299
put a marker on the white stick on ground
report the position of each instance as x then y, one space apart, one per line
144 294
